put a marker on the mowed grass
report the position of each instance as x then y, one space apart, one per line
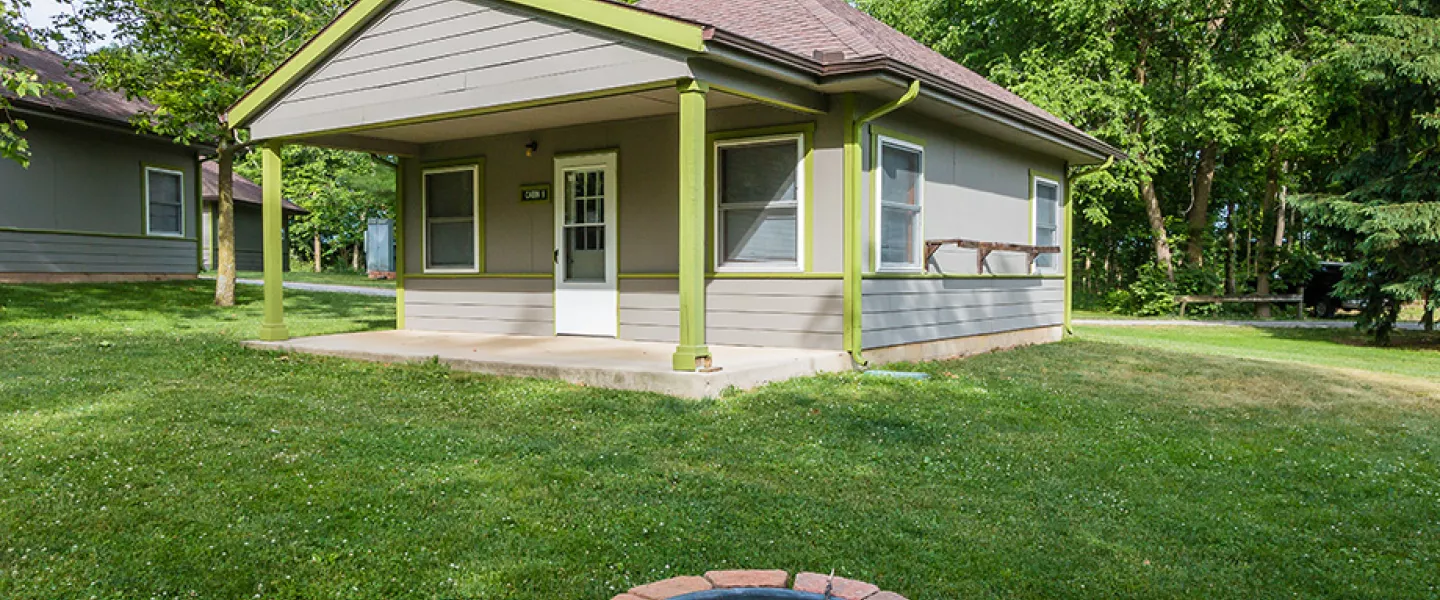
143 453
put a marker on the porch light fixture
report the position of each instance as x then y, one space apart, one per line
531 148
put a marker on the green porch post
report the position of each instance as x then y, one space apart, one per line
272 328
692 354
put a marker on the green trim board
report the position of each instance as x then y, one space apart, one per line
854 230
958 276
716 139
692 353
475 164
1069 255
432 276
712 276
121 236
400 182
272 326
669 32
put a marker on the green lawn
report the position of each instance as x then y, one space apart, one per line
143 453
324 277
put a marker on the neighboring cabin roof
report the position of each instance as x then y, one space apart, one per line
807 29
245 191
87 101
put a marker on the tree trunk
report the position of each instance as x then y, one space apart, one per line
1157 227
1427 318
318 265
225 228
1200 206
1264 267
1230 249
355 257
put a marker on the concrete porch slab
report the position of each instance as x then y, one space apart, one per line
596 362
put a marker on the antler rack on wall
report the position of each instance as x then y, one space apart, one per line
983 250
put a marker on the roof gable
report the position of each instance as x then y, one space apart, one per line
355 19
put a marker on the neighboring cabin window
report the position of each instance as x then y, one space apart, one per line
452 234
1047 222
759 185
164 202
900 189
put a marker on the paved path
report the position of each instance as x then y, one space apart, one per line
1315 324
327 288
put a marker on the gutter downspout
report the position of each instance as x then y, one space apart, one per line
854 235
1069 256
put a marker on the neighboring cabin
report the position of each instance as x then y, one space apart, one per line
692 172
248 226
100 201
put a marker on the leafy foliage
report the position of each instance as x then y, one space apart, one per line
1383 203
18 82
341 190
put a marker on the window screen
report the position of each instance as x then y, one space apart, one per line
759 203
165 197
1047 221
901 174
450 233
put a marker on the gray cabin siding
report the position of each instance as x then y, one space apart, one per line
976 188
428 57
249 238
83 180
909 311
519 237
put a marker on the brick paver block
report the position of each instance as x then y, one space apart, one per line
840 587
748 579
672 587
627 597
886 596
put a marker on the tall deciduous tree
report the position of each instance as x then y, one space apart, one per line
192 59
17 81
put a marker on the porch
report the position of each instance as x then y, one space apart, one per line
607 363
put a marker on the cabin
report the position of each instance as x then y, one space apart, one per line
249 226
99 201
688 180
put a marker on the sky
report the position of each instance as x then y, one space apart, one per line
43 12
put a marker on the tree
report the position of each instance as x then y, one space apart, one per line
1383 198
192 60
18 82
341 190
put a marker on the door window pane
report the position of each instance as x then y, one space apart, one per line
451 237
901 187
165 196
584 226
759 202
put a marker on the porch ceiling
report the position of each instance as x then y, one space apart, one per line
596 110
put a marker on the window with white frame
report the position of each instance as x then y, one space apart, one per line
452 234
164 202
900 190
758 186
1047 222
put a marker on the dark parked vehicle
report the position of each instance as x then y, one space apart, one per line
1320 291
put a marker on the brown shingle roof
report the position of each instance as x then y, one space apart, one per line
244 190
89 102
803 28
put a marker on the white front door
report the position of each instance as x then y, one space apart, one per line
587 301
